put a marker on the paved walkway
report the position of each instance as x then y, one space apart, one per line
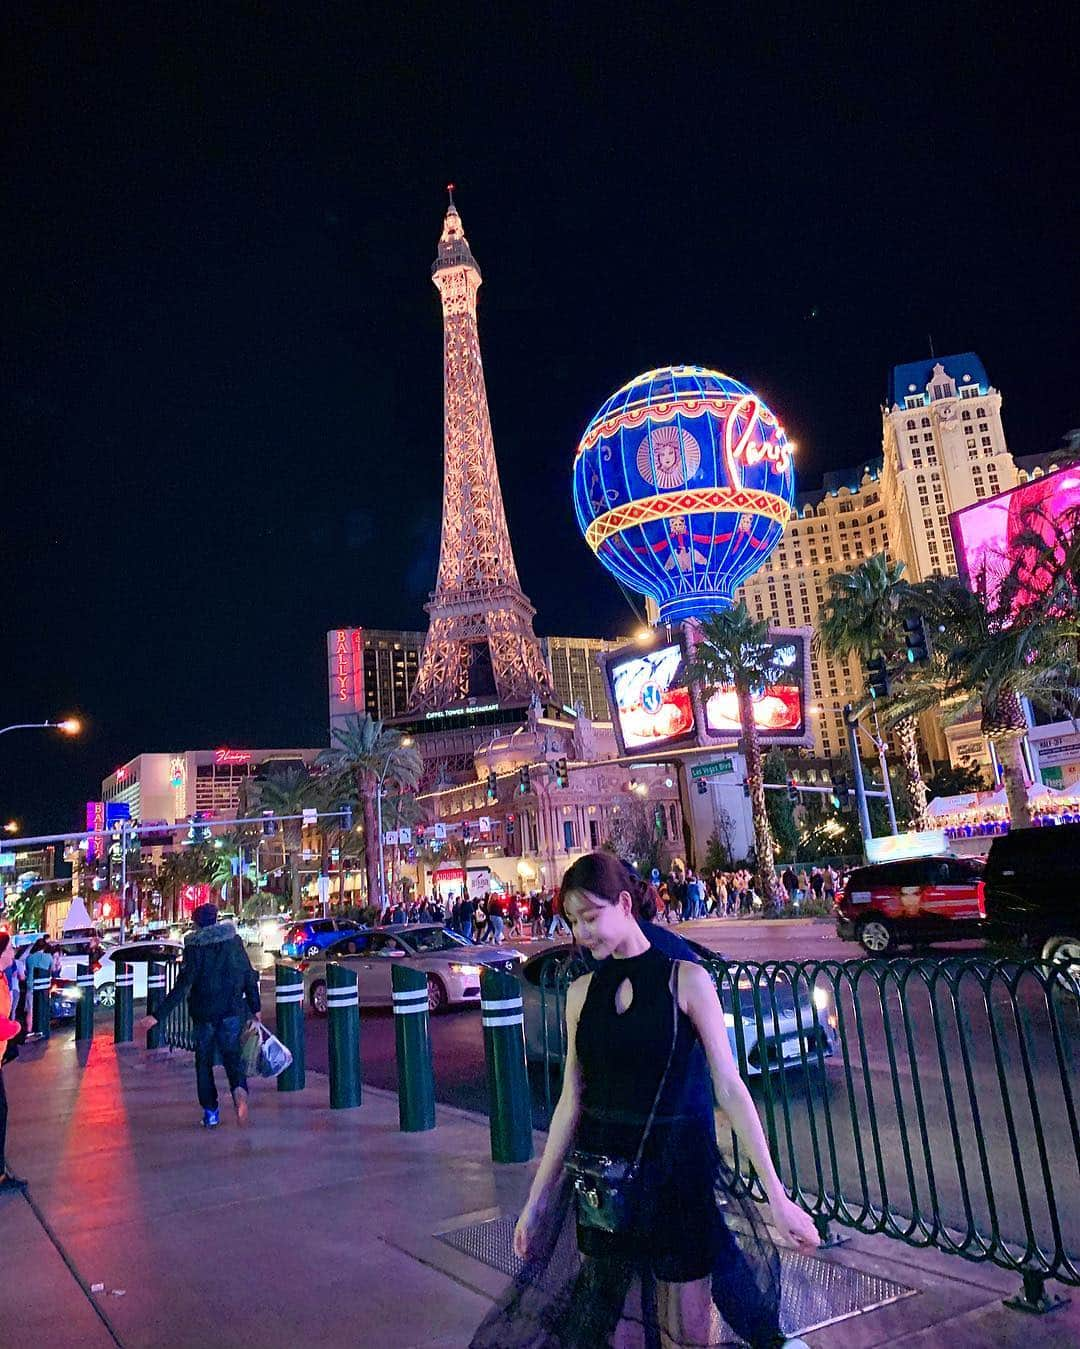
315 1226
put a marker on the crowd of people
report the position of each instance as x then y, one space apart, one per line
682 896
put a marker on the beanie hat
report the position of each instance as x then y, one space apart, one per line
205 915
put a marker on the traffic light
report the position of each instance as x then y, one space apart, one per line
198 832
918 643
841 792
511 825
269 824
346 817
793 791
493 786
877 676
746 790
562 773
524 782
702 787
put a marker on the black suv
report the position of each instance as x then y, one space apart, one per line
1033 891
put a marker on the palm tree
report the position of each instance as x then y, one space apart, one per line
735 651
986 660
365 756
862 618
286 791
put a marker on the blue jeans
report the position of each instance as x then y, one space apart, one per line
224 1036
495 923
466 929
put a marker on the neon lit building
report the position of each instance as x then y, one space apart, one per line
172 786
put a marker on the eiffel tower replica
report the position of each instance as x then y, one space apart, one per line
480 651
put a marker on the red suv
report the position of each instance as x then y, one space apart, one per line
923 899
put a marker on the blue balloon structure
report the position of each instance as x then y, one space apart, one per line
683 485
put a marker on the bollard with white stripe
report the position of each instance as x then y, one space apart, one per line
84 1008
289 998
343 1035
412 1035
502 1014
124 1006
42 1002
155 996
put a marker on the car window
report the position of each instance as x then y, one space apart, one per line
323 925
382 944
356 945
434 939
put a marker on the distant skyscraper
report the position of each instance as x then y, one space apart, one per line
371 670
576 673
480 642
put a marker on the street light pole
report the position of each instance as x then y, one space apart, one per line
69 726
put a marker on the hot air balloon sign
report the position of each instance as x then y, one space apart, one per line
683 485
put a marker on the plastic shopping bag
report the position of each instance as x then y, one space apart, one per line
274 1057
250 1045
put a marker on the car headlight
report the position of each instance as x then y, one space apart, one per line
464 969
822 1001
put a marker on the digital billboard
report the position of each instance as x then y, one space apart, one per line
1016 534
779 709
651 697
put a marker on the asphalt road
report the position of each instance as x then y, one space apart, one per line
878 1126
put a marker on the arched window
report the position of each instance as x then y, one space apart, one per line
925 421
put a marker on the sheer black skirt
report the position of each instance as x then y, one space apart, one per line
585 1289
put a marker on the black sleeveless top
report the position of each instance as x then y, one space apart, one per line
623 1055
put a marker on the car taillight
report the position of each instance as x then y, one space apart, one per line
302 965
95 967
982 898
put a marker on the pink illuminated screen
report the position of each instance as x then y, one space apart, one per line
1014 533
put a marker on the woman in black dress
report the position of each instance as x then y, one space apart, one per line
646 1041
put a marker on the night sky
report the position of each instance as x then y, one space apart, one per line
222 368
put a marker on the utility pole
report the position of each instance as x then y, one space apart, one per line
851 721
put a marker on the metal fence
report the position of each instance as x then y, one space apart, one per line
177 1031
931 1100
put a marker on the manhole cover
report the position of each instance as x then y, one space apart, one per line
816 1292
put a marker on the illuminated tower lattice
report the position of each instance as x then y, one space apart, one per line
480 641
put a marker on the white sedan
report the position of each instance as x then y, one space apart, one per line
137 954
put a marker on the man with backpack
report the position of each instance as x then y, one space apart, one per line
222 989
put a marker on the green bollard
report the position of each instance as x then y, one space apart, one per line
510 1101
84 1008
343 1034
412 1035
42 1002
124 1006
289 996
155 996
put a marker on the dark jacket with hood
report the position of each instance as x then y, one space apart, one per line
217 976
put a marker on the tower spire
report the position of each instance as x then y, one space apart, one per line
480 640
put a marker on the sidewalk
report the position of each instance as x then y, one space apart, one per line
320 1226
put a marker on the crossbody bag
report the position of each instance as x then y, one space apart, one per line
605 1187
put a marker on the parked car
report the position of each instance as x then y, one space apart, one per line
451 964
311 936
921 899
785 1028
1032 880
138 954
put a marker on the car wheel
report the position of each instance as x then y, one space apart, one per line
312 951
876 936
436 995
1064 954
317 997
105 995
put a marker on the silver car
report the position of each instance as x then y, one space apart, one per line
450 963
788 1034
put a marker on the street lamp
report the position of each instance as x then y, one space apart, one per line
12 827
69 726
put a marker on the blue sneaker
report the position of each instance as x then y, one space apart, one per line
210 1119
